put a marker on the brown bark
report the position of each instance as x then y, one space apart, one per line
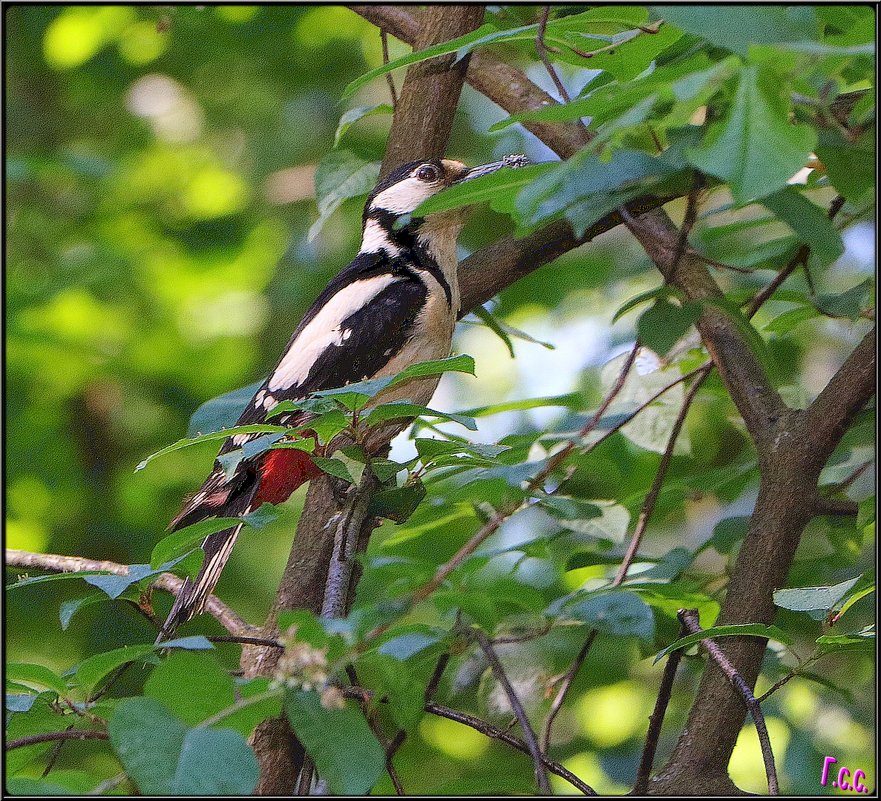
421 126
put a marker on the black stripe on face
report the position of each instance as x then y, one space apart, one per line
413 253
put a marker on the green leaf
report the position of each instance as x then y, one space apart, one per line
115 585
663 291
62 782
405 646
354 395
358 113
333 467
856 596
192 685
183 540
395 410
215 762
849 165
69 608
341 175
254 428
497 188
809 221
565 508
736 28
728 532
397 504
861 640
571 400
619 612
735 630
148 741
846 304
806 599
420 55
345 751
222 411
784 323
90 671
163 757
35 675
662 324
586 187
610 525
755 148
504 331
668 599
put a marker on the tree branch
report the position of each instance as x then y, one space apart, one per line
848 391
52 736
420 127
689 619
488 729
656 720
55 563
541 777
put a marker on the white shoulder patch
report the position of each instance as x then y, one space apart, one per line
323 330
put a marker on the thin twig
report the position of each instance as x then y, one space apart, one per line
53 757
689 618
688 222
542 49
648 506
796 671
541 776
800 259
489 730
245 640
378 733
388 76
566 682
52 736
656 720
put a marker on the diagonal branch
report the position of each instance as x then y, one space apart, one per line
541 777
55 563
689 619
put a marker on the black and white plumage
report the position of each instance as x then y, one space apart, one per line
395 304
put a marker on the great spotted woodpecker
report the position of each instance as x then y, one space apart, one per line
396 304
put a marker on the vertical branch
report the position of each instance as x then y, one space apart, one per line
542 50
388 76
656 720
420 128
349 524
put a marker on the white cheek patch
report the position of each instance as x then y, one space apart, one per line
404 196
323 330
376 238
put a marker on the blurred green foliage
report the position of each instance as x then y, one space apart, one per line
161 166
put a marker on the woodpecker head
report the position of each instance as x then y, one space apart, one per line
386 223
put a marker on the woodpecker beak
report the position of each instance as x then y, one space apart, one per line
513 162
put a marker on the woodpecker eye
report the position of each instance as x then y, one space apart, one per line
428 173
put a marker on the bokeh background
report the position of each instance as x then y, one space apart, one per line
159 174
